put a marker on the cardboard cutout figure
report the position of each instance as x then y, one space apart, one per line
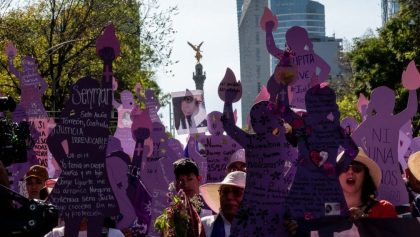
218 147
30 109
158 171
306 61
140 197
378 135
150 101
83 189
189 112
316 194
260 212
32 87
123 131
117 169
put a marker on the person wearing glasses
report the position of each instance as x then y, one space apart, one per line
224 199
360 182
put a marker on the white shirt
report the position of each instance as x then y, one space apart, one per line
208 223
59 232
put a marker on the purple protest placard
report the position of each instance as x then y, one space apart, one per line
189 112
378 135
262 207
83 189
123 131
157 172
304 62
218 147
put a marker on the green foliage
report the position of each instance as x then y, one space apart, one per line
61 34
380 60
348 107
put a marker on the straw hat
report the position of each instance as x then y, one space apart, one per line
210 191
414 164
238 156
374 170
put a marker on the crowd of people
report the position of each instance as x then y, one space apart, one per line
220 200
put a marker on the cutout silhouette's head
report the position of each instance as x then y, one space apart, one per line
127 99
215 124
382 101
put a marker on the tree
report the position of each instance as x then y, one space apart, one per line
380 60
61 34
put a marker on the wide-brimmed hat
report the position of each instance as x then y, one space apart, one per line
374 170
414 164
238 156
210 191
37 171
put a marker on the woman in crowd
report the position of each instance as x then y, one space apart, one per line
360 182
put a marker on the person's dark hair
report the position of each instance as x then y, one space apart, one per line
185 166
368 187
179 116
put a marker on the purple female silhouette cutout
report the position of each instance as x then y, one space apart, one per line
117 169
83 189
30 108
261 210
218 147
316 195
32 87
158 171
302 55
123 131
137 192
378 135
152 103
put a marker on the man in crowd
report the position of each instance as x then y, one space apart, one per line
224 199
35 180
188 179
413 183
237 161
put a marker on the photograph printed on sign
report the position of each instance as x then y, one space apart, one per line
189 112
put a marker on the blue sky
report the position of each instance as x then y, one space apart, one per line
215 23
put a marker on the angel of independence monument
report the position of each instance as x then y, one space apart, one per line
199 76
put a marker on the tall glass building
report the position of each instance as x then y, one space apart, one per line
389 8
304 13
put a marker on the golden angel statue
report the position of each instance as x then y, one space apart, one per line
197 50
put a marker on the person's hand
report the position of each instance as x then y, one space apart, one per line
230 95
291 227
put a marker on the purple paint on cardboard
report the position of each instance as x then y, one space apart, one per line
218 147
123 131
302 55
378 135
83 189
262 206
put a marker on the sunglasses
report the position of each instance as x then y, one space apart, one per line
237 192
356 167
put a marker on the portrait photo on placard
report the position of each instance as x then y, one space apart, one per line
189 112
